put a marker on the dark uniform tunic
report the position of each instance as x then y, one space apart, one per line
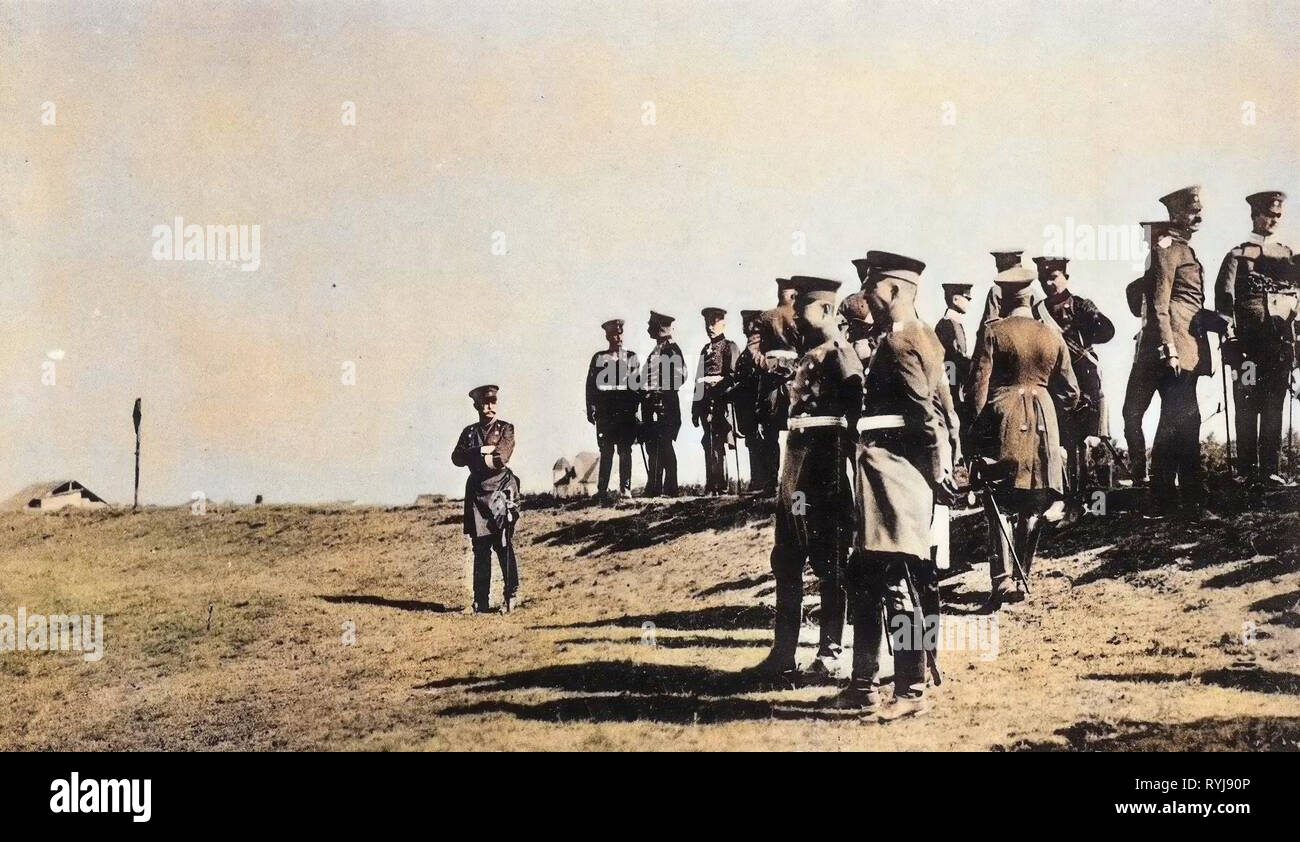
742 391
491 504
612 402
661 414
709 410
815 501
777 352
1082 326
1173 294
957 362
1254 291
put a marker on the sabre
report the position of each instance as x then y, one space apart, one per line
1002 527
735 438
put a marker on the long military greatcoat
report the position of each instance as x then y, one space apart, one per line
491 493
1173 295
898 469
1020 366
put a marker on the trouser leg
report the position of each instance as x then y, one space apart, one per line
654 483
831 640
787 568
866 589
999 526
1246 423
625 467
1137 398
907 628
606 465
668 457
482 571
926 577
504 544
1270 421
1183 444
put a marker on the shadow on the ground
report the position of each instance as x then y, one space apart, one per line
1250 680
625 691
664 642
658 523
725 617
1248 733
1285 608
741 584
403 604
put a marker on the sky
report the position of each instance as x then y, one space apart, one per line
520 172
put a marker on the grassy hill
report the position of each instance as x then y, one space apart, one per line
227 631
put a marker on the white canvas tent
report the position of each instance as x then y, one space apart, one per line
53 495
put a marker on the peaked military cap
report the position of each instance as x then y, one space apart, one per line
950 290
889 265
1051 263
612 324
784 283
713 313
661 319
854 308
1006 258
749 317
1268 200
1180 200
483 394
1015 277
815 289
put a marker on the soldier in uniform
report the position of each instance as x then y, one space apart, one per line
612 403
1082 326
1172 353
491 497
778 344
1004 260
710 408
815 502
1255 292
661 410
742 392
956 353
859 328
904 462
1021 373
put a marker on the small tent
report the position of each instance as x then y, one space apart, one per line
53 495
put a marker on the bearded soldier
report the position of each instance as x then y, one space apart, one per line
1082 326
1172 353
742 391
815 502
904 465
491 497
710 408
1021 374
612 404
956 353
661 409
1255 292
778 343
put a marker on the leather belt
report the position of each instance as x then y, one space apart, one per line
881 422
803 422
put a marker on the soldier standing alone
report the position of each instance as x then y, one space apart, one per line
1082 326
710 408
491 497
612 405
1255 293
661 409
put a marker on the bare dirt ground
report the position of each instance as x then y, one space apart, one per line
1134 638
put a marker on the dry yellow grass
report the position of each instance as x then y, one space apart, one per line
1132 640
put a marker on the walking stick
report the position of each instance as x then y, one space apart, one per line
1227 409
735 438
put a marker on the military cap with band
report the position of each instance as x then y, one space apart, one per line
886 264
1014 278
1268 200
483 394
749 317
784 283
815 289
1006 258
612 324
949 290
854 308
713 313
1051 263
661 319
1181 200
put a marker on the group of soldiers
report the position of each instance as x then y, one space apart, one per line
867 424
